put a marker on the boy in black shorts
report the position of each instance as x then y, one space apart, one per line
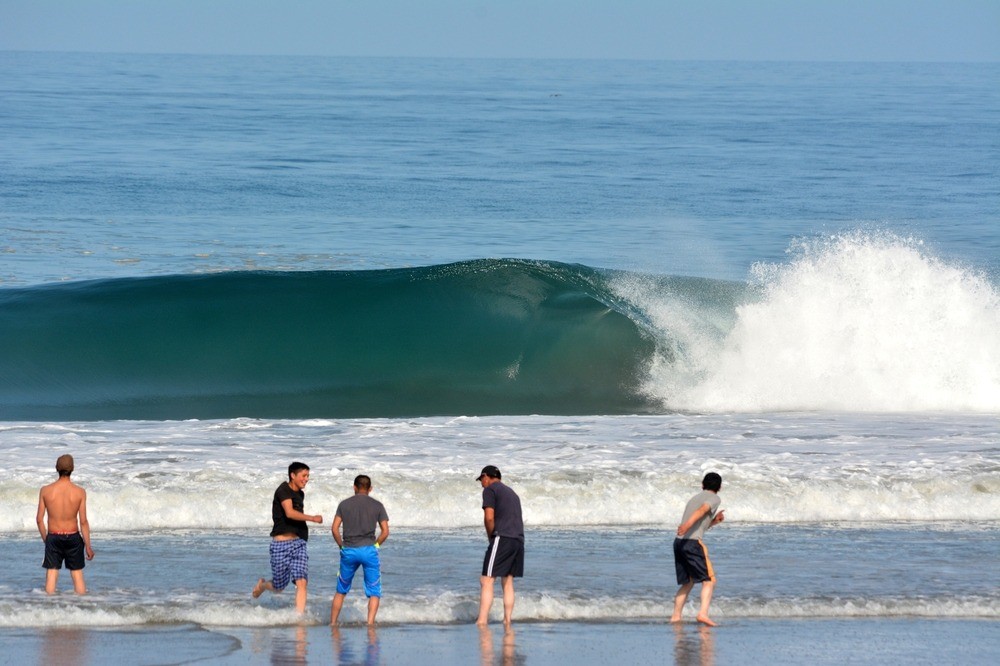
67 535
690 555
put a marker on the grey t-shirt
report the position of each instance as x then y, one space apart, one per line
506 505
360 514
704 497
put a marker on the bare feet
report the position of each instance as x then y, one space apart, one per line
706 621
258 589
674 620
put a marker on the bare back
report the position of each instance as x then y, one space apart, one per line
65 504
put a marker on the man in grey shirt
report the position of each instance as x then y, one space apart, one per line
505 555
690 555
357 517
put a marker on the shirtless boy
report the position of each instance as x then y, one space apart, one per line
67 536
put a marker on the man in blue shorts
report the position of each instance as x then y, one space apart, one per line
289 555
357 516
67 536
690 555
505 554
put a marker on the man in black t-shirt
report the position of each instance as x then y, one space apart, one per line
289 555
505 554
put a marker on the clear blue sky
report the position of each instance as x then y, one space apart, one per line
894 30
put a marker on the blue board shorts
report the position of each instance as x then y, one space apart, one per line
60 547
289 562
367 558
691 562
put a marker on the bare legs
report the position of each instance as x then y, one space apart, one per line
338 603
78 585
706 600
52 577
373 603
508 599
707 588
259 588
679 600
486 599
301 590
300 595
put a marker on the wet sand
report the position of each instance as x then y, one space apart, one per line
773 641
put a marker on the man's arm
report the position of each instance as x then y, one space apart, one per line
383 532
335 529
695 517
719 517
298 515
85 525
40 515
489 521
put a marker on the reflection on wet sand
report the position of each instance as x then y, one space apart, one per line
345 653
508 652
694 645
291 648
64 645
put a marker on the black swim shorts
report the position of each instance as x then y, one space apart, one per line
691 561
504 557
68 547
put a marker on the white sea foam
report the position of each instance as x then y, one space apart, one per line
859 322
450 607
569 471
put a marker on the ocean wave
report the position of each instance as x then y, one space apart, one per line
489 336
454 608
859 322
561 499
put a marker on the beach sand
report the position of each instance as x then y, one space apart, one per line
772 641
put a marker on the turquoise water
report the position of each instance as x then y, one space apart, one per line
121 165
607 278
489 337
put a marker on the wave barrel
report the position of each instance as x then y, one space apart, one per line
478 337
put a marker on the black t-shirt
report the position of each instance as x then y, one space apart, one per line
506 505
282 523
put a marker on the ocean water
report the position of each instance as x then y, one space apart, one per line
606 278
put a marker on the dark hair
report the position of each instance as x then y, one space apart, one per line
362 482
712 481
296 467
64 465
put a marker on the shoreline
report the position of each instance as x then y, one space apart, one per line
774 641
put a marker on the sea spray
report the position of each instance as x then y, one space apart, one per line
859 322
